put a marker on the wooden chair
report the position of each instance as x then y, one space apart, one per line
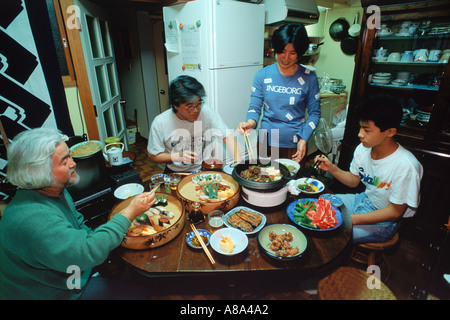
373 253
347 283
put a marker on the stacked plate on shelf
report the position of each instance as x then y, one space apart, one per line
440 28
423 116
381 78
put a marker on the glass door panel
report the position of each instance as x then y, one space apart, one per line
102 83
106 38
94 37
114 88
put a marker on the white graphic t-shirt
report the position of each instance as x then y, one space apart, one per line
170 135
395 178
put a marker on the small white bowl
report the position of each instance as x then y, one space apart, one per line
398 82
289 162
240 240
128 190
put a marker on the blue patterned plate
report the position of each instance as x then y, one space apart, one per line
191 235
335 201
290 210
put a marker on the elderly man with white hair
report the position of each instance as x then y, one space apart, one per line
44 244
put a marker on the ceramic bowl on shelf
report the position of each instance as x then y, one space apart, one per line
379 59
445 56
382 75
382 81
398 82
338 88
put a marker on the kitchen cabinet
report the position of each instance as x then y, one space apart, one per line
425 96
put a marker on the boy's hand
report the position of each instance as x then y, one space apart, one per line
323 163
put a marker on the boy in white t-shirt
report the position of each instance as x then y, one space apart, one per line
185 135
390 173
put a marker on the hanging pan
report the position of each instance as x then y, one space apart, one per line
349 44
339 29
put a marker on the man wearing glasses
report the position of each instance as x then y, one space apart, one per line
187 134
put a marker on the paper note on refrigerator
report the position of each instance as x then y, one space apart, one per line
172 37
190 47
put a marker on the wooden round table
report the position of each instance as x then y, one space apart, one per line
324 252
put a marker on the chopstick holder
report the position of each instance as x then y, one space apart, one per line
202 244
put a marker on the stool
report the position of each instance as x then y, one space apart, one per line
347 283
375 253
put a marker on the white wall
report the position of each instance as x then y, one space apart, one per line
75 111
332 60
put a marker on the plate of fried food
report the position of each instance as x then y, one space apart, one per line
245 219
282 241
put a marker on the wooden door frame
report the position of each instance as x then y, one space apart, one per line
81 76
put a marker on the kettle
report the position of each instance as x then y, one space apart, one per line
113 154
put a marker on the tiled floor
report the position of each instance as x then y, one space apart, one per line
409 260
142 162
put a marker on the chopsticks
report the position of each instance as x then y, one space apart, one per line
251 155
203 244
153 190
318 161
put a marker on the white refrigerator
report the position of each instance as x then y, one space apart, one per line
221 44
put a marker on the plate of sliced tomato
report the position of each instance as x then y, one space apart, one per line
315 214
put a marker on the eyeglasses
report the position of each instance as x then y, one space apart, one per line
191 107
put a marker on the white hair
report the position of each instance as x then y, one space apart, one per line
29 157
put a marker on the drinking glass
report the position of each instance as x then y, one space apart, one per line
215 220
174 178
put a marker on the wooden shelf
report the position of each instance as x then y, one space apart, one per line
415 37
411 64
408 87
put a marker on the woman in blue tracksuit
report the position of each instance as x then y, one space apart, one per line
283 92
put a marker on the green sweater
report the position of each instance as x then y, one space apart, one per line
42 238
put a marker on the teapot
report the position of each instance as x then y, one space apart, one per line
113 154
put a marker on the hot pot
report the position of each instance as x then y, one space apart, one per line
272 185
